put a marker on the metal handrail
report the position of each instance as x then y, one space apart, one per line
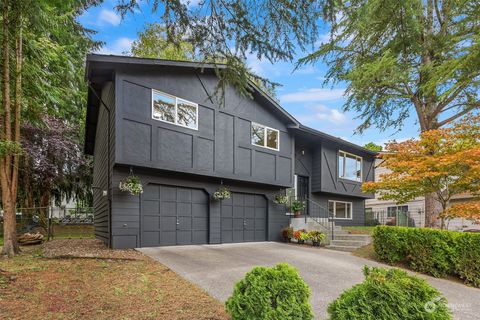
317 213
322 216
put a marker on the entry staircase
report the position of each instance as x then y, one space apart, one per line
319 218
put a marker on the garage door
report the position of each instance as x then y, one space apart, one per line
173 216
244 218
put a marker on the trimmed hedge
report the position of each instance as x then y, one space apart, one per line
436 252
389 294
270 293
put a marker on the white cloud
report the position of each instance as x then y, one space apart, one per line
119 47
321 114
313 95
109 17
306 70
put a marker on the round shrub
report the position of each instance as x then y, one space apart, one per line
270 293
389 294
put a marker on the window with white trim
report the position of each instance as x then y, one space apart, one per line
340 209
393 210
174 110
264 136
350 166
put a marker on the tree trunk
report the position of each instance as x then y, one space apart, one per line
10 245
432 211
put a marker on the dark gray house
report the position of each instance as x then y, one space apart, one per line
156 118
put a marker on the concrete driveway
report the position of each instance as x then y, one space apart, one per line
216 268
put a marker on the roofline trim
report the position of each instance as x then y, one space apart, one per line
335 139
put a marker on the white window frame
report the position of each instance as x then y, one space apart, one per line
335 209
343 154
176 99
265 136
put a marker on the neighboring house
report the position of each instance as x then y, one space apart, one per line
384 211
159 120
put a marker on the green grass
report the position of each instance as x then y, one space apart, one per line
359 229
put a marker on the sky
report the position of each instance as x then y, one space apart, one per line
301 92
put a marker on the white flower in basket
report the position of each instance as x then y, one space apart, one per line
281 199
131 184
221 194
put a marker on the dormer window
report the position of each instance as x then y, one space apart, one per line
174 110
264 136
350 166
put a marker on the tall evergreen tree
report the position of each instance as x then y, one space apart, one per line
43 47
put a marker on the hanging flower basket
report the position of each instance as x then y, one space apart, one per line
281 199
222 193
131 184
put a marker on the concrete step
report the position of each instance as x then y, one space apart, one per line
354 237
341 248
348 243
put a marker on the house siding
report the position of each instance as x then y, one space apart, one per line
101 167
326 179
221 147
126 209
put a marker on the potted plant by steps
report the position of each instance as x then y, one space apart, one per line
316 237
300 236
297 207
287 234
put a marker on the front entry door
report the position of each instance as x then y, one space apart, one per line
303 191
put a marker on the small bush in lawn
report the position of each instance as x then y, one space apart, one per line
389 294
270 293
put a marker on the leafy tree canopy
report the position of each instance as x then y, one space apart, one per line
152 43
230 30
374 147
404 57
443 161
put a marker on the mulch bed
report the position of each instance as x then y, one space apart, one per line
87 248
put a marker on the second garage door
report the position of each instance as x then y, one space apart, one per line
173 216
244 218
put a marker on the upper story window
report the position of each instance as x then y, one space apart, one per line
349 166
174 110
266 137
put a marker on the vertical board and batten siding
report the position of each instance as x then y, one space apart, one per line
221 147
308 164
325 174
102 168
126 209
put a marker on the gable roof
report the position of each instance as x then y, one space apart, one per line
100 68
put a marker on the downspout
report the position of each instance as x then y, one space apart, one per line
109 193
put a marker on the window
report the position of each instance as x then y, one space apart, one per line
265 137
174 110
340 209
392 211
349 166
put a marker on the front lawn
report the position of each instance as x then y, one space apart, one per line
359 229
84 280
